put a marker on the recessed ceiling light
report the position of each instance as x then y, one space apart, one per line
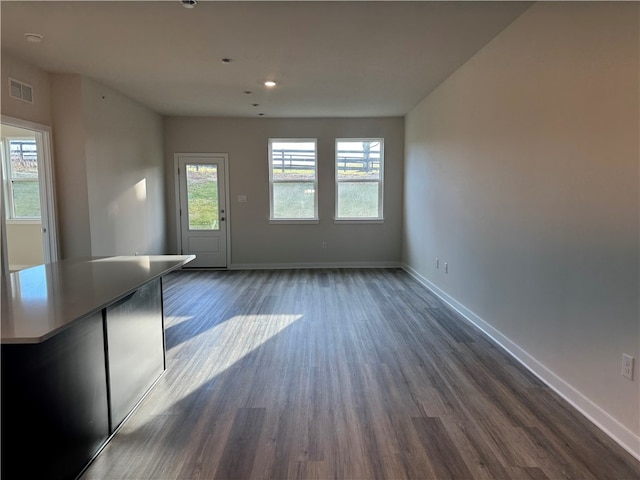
33 37
189 3
255 104
226 60
261 114
270 83
248 92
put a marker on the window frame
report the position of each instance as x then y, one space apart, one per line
380 182
293 220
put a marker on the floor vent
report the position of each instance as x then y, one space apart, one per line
20 90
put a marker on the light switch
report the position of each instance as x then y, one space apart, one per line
242 199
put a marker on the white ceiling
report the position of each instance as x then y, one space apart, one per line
331 59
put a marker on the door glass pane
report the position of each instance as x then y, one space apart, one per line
202 197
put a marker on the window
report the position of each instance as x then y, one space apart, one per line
359 174
20 158
293 179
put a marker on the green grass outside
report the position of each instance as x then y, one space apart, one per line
357 200
26 199
291 200
203 206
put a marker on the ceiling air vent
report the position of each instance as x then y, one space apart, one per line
20 90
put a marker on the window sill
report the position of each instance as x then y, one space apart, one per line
23 221
358 220
291 221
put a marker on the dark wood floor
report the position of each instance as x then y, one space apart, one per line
343 374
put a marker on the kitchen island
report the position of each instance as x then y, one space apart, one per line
82 343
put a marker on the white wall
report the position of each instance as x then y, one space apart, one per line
24 244
522 173
109 169
125 173
255 242
70 165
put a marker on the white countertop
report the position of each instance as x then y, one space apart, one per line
41 301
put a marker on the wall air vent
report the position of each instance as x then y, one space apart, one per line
20 90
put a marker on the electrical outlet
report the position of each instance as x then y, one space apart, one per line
627 366
324 244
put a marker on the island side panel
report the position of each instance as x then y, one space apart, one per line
135 340
54 403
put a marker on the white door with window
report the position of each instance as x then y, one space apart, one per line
202 211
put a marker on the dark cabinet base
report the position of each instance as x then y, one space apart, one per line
63 398
54 403
135 336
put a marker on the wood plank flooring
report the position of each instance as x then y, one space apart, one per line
343 374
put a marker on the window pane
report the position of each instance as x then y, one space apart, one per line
26 199
293 160
202 197
294 200
24 158
358 159
358 199
359 167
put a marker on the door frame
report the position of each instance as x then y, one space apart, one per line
50 247
176 181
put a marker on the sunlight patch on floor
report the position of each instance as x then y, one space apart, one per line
233 340
176 320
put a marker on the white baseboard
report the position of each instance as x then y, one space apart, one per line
287 266
599 417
